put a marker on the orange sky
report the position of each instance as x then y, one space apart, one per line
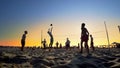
61 32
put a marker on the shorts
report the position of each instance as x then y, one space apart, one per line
84 38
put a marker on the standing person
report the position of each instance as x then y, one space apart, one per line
67 43
57 44
119 28
44 43
92 43
60 45
51 36
78 46
23 40
84 38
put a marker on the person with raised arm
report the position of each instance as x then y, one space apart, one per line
51 36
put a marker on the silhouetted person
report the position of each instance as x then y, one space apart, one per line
92 43
57 44
44 43
67 43
60 45
78 46
23 40
119 28
51 36
84 38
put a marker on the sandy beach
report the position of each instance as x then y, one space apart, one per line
12 57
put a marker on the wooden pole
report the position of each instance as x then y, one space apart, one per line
107 35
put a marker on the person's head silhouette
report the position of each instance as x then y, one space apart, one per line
90 35
51 25
25 32
83 25
67 38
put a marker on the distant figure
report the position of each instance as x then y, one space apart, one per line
57 44
92 43
67 43
78 46
44 43
60 45
51 36
119 28
84 38
23 40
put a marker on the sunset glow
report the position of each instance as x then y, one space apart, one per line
66 17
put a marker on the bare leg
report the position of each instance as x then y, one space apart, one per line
92 47
50 45
87 48
81 47
23 44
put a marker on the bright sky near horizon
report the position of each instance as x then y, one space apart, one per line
16 16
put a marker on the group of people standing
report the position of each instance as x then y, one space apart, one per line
84 39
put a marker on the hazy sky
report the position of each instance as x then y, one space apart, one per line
66 17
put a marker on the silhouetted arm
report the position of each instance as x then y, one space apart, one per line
81 32
23 37
51 29
87 31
